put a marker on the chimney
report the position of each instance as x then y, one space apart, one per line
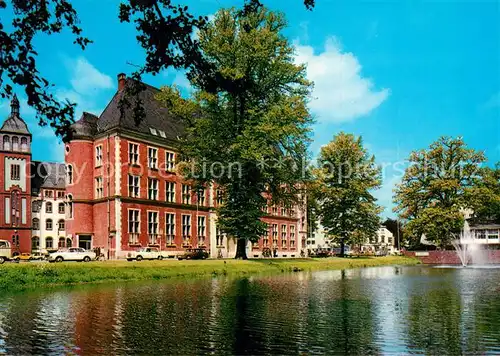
121 81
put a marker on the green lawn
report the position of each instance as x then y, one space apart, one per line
32 275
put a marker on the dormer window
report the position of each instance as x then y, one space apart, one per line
153 131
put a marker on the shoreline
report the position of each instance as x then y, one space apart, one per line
23 276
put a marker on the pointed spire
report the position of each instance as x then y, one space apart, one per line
14 106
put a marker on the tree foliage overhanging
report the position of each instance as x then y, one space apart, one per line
248 131
164 29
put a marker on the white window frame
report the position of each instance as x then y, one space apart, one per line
170 194
153 191
201 197
153 226
186 233
170 228
292 236
152 158
134 235
136 192
98 155
201 227
284 232
133 155
99 187
169 161
219 236
186 194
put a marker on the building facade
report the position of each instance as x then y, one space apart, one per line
123 191
383 240
48 207
15 181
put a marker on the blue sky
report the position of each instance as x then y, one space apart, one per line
399 73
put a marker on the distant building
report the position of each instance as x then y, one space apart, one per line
49 208
318 239
383 240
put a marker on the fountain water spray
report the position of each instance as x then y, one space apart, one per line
468 249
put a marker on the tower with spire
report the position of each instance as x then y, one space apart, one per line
15 181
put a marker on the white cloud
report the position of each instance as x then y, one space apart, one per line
85 77
340 93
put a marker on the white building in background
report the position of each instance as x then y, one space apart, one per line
318 239
48 207
383 240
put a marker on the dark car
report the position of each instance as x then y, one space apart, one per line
194 254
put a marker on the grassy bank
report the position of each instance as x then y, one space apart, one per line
34 275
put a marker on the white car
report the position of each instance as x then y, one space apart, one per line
72 254
145 253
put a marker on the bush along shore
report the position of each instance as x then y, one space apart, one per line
18 276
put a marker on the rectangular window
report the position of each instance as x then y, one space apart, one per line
61 208
480 234
170 228
169 161
201 230
98 156
48 193
219 236
186 229
15 172
283 236
219 197
153 227
152 189
99 190
200 195
275 210
133 221
170 192
292 236
283 211
133 186
275 235
265 240
152 157
23 210
60 195
186 194
133 153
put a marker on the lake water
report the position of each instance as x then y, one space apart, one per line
382 310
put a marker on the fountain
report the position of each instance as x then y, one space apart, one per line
469 250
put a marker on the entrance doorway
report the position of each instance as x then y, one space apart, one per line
85 241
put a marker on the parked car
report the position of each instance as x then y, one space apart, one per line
145 253
72 254
6 252
194 254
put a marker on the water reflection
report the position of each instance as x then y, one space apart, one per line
365 311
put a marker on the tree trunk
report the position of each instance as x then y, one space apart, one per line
241 249
342 247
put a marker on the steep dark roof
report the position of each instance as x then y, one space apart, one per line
14 123
86 126
48 175
157 118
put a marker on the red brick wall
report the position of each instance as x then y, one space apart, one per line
451 258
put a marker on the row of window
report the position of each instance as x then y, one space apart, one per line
490 234
48 224
133 157
61 208
282 211
287 235
15 144
134 227
50 194
49 243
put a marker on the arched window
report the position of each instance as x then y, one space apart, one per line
48 207
69 243
15 143
36 224
35 243
62 242
69 174
60 225
24 144
49 242
6 143
60 208
69 212
48 224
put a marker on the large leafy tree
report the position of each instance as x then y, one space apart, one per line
344 180
247 132
164 29
436 188
485 195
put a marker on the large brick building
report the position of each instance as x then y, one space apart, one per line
123 191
